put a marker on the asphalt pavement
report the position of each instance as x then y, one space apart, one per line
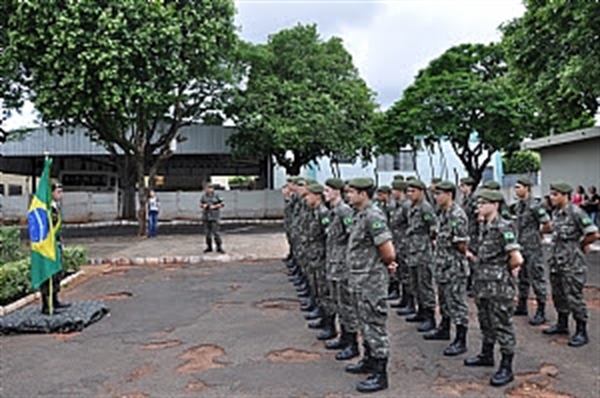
235 330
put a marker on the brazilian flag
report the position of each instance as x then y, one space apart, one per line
45 260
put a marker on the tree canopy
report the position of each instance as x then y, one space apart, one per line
132 72
303 96
464 97
553 50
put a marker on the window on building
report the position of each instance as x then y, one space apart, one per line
402 161
15 190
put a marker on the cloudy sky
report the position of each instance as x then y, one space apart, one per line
389 40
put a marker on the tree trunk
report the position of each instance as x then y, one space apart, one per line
142 195
127 178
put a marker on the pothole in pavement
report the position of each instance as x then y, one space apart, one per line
226 304
283 303
293 355
161 345
65 336
537 384
592 297
196 386
200 358
458 388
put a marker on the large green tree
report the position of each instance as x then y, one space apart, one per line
464 97
303 96
553 50
10 93
132 72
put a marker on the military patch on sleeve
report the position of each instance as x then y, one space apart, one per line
427 217
347 220
453 224
509 235
325 220
585 220
377 224
541 211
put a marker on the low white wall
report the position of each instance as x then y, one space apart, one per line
79 207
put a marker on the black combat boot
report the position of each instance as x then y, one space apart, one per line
402 302
341 342
308 305
540 315
441 333
428 321
504 375
580 337
459 345
351 350
45 307
521 309
302 287
409 307
364 366
561 326
485 358
314 314
57 303
393 290
329 331
419 316
378 380
208 249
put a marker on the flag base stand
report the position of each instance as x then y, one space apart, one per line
72 319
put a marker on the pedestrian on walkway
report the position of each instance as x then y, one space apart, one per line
152 210
211 204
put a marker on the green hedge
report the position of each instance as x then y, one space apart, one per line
11 248
14 276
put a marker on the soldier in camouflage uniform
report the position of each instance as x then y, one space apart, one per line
530 216
287 192
504 209
497 261
399 226
298 227
317 221
430 193
386 204
338 274
422 228
469 205
573 233
451 269
370 249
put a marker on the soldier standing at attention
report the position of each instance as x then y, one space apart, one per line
451 269
338 274
469 205
399 226
422 228
211 204
430 194
497 262
370 250
57 194
573 233
531 215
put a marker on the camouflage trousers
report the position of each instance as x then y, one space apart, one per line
421 285
567 293
344 304
452 297
495 321
319 288
371 311
532 274
403 272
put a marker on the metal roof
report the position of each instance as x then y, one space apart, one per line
560 139
200 139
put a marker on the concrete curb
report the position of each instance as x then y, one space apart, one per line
169 260
22 302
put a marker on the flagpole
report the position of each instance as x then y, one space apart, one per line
50 297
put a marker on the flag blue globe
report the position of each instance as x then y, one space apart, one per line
37 221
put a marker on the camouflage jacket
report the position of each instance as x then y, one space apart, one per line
569 227
422 226
317 221
491 273
369 231
450 263
288 213
530 214
338 232
399 225
385 207
469 205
